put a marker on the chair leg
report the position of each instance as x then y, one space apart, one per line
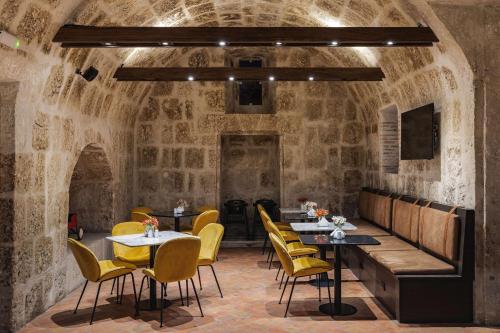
319 287
269 254
113 286
117 290
290 298
282 276
278 274
180 292
161 305
123 287
187 293
139 298
197 299
199 277
271 261
165 290
95 303
284 288
265 243
81 295
216 281
330 298
133 286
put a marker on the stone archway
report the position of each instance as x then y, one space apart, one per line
91 190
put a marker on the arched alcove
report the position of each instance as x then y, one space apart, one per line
91 191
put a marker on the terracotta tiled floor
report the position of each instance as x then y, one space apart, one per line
250 304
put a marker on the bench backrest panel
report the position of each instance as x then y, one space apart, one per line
405 220
439 232
375 208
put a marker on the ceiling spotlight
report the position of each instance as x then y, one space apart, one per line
279 43
190 78
231 78
311 78
334 43
390 42
271 78
222 43
165 44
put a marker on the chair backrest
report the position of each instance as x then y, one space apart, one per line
145 210
273 228
128 228
177 259
439 232
86 260
205 218
205 208
405 219
265 218
285 258
211 237
139 216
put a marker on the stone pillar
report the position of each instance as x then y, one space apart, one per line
476 29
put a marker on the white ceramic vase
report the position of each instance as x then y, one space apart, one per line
323 222
338 233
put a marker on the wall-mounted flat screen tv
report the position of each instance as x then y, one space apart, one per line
417 133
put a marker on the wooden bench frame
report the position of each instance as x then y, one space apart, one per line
443 298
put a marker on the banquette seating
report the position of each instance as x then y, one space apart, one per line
423 269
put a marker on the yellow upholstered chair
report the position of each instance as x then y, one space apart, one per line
202 209
98 270
211 237
139 216
205 218
141 209
299 267
139 256
281 226
176 260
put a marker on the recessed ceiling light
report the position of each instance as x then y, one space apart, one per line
279 43
390 42
311 78
165 44
334 43
190 78
271 78
222 43
231 78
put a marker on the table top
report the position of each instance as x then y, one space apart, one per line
170 213
327 240
313 226
136 240
291 210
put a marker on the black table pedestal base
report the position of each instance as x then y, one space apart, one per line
322 282
345 309
145 305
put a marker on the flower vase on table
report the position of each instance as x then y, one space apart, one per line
321 215
181 206
150 225
338 233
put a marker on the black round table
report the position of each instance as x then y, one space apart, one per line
176 216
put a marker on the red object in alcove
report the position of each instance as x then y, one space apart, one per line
73 226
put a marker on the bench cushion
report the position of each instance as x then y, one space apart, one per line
438 232
412 262
366 228
388 243
405 219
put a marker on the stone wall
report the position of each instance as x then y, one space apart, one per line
250 169
178 140
91 191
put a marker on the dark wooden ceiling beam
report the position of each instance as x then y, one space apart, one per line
91 37
242 74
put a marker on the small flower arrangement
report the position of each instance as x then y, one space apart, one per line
339 221
150 225
321 213
182 203
311 205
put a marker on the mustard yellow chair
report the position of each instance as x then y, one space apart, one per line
141 209
139 216
202 209
211 237
205 218
281 226
98 270
175 261
299 267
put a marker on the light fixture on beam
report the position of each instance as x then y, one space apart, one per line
249 74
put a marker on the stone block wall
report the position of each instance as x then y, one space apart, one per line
178 140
